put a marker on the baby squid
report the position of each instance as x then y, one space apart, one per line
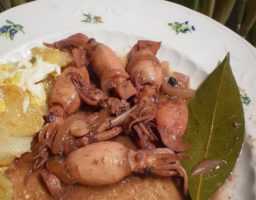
108 162
146 74
171 121
63 100
83 128
110 69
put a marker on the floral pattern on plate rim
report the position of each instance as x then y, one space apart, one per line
10 29
181 27
92 19
245 99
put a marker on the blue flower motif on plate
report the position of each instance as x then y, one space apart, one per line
183 27
10 29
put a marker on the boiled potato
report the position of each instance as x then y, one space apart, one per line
53 56
20 117
12 147
5 188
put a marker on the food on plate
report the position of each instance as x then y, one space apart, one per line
69 132
23 93
132 187
108 66
109 126
214 112
53 56
20 117
19 122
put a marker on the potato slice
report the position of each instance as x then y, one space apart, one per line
5 188
12 147
53 56
20 117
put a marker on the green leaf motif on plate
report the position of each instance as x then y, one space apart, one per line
245 99
215 130
92 19
183 27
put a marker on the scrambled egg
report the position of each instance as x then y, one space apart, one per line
28 77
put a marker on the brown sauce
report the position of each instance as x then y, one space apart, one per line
131 188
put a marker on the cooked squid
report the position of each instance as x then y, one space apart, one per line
77 143
83 128
171 122
77 44
62 101
110 69
108 162
146 74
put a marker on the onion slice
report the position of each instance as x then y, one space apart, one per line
121 118
184 93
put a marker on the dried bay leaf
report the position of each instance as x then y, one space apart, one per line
213 112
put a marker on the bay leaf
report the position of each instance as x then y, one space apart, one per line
215 130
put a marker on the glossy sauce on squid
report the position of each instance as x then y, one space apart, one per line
117 139
132 188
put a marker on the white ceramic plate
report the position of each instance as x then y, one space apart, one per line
195 49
